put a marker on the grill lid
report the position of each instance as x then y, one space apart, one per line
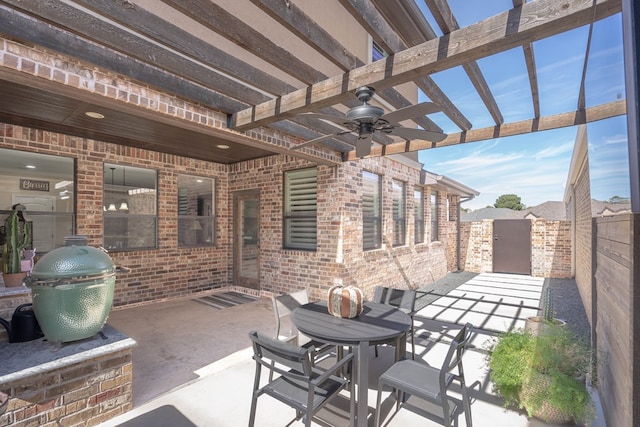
73 263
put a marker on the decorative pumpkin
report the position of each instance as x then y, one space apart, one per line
345 301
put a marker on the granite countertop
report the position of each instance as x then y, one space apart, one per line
17 290
21 360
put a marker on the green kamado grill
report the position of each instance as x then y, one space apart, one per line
72 289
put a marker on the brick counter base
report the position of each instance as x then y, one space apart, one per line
82 394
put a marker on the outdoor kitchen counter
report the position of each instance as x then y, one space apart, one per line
26 359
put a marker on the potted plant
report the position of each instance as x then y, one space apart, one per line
17 236
543 374
537 324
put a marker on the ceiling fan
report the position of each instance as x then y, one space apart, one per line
364 120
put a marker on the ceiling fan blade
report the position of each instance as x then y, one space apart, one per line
339 120
318 139
363 145
411 112
410 133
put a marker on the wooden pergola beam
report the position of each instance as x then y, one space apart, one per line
391 41
295 20
530 60
18 25
444 17
557 121
190 66
533 21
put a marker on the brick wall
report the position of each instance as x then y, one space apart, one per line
476 246
169 271
550 247
339 258
163 273
83 394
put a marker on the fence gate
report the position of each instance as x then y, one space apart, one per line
512 246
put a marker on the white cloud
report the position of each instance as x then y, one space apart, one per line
554 151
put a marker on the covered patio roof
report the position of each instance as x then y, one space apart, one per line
265 62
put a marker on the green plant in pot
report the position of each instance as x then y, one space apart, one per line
17 237
543 374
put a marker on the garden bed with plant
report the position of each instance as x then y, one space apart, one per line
543 374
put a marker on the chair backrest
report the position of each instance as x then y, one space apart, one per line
457 347
267 350
402 299
283 305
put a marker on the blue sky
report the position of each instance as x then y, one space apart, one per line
535 166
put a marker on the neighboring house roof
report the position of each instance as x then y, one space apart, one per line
490 213
602 208
550 210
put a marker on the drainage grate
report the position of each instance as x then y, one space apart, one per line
226 299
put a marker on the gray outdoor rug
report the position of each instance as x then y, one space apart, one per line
226 299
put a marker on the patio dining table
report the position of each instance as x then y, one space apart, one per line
377 323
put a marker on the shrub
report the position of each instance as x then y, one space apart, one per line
543 374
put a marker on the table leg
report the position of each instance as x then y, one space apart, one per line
362 382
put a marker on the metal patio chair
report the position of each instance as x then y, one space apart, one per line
283 305
299 384
426 382
401 299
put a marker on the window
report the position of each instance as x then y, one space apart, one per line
434 216
399 216
371 209
129 197
377 52
300 209
418 206
45 185
196 211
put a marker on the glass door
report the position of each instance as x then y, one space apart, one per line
246 245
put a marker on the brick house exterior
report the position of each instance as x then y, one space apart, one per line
169 271
102 387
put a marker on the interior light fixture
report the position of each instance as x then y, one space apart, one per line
112 206
124 206
30 166
62 184
223 146
94 115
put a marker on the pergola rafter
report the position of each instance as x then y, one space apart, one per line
152 43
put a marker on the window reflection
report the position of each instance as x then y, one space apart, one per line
129 207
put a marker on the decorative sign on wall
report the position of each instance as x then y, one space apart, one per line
32 185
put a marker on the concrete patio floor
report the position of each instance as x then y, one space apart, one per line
192 365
